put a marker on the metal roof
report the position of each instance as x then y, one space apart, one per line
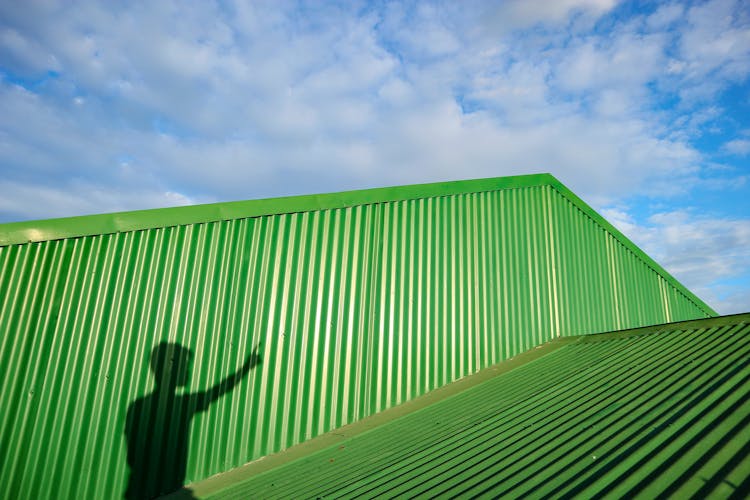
646 413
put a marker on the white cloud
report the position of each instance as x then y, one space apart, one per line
24 54
740 147
714 48
728 298
81 198
518 14
423 31
665 15
222 109
138 105
235 101
628 61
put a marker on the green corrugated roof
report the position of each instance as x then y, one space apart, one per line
656 411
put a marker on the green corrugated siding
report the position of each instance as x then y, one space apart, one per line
356 309
663 414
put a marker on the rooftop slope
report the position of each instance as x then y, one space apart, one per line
640 413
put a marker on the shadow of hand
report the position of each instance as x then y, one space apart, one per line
253 359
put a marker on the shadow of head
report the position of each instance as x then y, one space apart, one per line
171 364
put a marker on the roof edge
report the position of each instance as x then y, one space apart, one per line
607 226
88 225
690 324
16 233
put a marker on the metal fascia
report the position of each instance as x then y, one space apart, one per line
87 225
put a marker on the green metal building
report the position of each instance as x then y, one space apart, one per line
146 350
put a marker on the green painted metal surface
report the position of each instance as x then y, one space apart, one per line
646 414
357 302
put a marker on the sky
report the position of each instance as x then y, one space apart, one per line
640 108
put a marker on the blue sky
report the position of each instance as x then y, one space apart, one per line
641 108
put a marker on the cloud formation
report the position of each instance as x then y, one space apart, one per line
140 104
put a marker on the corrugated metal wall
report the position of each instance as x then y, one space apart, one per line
355 309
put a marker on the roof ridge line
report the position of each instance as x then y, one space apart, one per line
597 218
99 224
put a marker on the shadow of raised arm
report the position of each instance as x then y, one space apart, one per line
227 384
157 425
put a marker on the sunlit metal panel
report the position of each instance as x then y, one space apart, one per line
355 307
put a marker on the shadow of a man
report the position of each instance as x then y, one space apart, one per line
158 424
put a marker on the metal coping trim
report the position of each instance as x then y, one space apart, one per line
100 224
19 233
